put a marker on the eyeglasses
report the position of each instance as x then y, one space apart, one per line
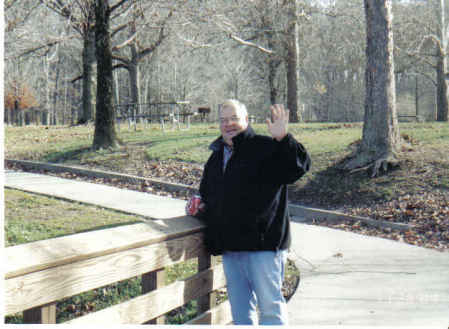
232 119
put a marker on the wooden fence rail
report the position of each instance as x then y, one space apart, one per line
38 274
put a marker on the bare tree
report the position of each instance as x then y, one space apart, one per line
334 63
105 135
81 16
27 47
272 28
423 38
381 139
287 50
141 16
441 67
292 60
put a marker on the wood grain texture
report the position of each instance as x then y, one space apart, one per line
40 255
158 302
220 314
207 301
55 283
153 281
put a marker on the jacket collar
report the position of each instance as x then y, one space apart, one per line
218 144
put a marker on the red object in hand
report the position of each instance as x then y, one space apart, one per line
194 205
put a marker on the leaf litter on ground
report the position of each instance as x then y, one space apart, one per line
427 212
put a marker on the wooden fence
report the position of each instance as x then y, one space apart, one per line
38 274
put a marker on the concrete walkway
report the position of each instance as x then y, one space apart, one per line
346 278
352 279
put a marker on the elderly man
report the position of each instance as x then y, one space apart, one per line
244 205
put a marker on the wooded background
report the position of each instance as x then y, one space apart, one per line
204 51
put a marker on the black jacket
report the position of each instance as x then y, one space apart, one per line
246 205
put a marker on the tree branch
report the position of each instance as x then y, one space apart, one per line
62 10
161 37
428 77
121 59
150 49
11 25
48 44
120 66
125 43
118 29
193 43
117 5
431 37
251 44
76 79
422 59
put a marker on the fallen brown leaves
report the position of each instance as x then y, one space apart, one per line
427 212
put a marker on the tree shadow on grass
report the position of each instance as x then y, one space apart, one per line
333 188
77 154
63 156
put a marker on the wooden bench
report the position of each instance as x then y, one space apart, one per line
38 274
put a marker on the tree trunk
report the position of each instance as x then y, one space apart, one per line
74 110
16 113
55 120
134 78
105 135
116 90
381 138
273 64
442 87
46 115
292 62
145 91
64 106
134 74
89 77
328 95
416 97
271 78
6 116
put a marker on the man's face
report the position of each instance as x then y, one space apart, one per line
232 123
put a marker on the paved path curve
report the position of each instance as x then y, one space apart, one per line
346 278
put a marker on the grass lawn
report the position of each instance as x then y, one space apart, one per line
72 144
178 155
30 217
324 186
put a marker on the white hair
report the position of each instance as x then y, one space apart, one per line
238 106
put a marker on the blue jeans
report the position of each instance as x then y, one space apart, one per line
254 279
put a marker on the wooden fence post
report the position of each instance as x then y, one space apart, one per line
152 281
208 301
41 314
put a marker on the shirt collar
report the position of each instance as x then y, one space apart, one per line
219 143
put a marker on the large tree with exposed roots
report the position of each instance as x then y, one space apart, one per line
381 139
